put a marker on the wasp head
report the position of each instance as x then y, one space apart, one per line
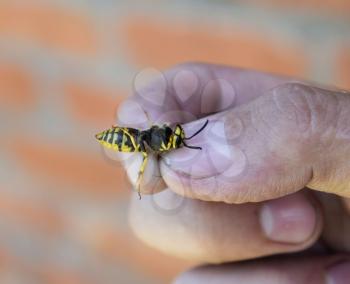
180 134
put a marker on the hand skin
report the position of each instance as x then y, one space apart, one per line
272 178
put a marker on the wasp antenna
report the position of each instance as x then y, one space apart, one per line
201 129
192 147
149 121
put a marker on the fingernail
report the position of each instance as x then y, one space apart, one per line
215 156
290 219
338 273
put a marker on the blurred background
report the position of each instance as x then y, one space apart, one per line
64 68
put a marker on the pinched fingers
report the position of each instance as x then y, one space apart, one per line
185 93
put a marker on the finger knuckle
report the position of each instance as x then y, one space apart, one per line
296 106
310 110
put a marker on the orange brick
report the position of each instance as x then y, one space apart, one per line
85 172
343 68
92 104
49 26
54 275
38 216
47 273
5 258
128 249
313 6
161 44
17 88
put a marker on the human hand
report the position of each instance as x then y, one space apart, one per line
276 138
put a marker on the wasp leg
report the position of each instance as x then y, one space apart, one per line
141 171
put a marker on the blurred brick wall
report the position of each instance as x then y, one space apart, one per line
64 68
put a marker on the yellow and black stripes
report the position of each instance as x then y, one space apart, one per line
121 139
159 138
124 139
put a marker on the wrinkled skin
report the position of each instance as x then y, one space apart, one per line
273 176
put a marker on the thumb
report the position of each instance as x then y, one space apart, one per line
292 137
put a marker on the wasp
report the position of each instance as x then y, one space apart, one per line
159 139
